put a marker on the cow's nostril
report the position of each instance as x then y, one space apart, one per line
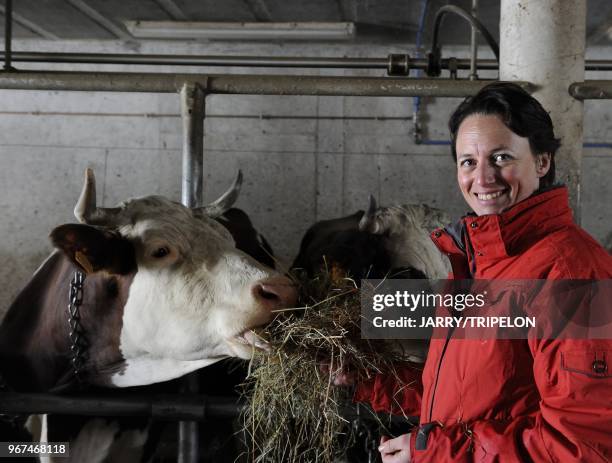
275 292
266 294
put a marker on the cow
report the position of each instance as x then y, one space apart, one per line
382 242
166 292
378 243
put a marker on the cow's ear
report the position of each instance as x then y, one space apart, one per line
93 249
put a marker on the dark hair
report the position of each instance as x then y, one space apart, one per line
519 111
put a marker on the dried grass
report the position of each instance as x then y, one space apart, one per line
294 412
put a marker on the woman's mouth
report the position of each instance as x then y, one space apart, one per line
489 196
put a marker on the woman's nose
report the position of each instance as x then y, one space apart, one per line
485 174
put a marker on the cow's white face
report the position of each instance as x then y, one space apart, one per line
186 297
193 296
406 232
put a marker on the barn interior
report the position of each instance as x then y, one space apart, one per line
304 157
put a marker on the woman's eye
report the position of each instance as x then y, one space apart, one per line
160 252
500 157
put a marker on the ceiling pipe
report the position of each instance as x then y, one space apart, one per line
244 84
401 64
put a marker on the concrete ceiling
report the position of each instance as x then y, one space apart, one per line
376 20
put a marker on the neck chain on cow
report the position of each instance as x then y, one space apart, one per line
78 341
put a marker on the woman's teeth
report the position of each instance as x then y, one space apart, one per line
487 196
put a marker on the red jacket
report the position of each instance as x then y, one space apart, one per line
513 400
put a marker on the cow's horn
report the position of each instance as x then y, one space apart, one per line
226 201
368 220
85 210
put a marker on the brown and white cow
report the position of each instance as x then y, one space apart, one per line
167 292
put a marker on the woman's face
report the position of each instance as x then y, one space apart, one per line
495 167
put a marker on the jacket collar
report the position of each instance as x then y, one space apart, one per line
508 233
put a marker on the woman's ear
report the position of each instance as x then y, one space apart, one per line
542 164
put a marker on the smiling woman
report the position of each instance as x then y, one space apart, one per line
540 399
504 146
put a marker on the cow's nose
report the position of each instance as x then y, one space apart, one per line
275 292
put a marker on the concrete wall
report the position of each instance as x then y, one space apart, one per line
303 158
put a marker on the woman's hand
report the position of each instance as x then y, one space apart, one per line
341 377
395 450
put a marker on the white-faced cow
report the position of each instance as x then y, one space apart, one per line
382 242
166 292
385 242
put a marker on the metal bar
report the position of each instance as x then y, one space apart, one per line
244 84
204 60
100 19
171 407
192 112
8 34
165 407
474 43
256 61
242 61
591 90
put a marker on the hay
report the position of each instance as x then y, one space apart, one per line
293 411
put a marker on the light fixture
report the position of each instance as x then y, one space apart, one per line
241 30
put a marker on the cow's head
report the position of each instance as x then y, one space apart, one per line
405 233
186 295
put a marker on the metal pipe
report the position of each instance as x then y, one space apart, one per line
204 60
258 61
474 43
240 61
193 100
468 17
8 34
243 84
169 407
591 90
164 407
192 114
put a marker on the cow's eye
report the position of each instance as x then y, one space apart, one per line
160 252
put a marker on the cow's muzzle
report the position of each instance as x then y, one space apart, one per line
277 292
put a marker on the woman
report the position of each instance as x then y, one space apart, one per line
508 400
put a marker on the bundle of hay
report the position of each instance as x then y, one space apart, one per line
293 411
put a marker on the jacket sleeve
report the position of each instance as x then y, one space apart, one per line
574 422
398 395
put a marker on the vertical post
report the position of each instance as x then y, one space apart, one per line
8 33
474 44
192 114
543 42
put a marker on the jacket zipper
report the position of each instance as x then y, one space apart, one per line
433 394
469 253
